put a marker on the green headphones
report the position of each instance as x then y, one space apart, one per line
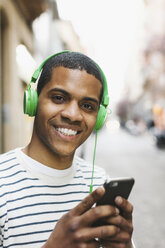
31 96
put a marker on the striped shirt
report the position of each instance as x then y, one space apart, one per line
33 196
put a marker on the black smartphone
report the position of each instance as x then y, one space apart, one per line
116 187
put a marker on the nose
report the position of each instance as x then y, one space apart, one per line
72 112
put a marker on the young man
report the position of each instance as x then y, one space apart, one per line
44 188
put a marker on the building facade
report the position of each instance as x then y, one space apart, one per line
15 28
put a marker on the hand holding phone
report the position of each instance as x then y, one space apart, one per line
116 187
113 188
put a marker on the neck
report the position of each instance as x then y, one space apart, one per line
41 153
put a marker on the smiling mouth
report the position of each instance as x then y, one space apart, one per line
67 132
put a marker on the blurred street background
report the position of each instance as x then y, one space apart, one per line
127 40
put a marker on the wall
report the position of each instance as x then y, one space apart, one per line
14 125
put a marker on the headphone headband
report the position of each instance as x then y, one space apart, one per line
37 71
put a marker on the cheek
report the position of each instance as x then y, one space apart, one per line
46 110
42 117
90 122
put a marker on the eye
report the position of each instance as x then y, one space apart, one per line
88 107
58 99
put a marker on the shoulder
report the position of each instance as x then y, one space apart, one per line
8 161
7 157
87 166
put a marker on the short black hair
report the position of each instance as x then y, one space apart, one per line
71 60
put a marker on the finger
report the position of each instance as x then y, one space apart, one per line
93 244
125 206
102 232
121 237
90 244
97 213
111 244
121 222
88 202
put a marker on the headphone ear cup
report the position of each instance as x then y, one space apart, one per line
30 102
101 117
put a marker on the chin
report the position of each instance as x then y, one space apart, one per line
62 152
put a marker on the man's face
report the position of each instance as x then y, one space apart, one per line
67 110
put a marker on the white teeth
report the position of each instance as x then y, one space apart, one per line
65 131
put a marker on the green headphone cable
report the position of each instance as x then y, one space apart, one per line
94 156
